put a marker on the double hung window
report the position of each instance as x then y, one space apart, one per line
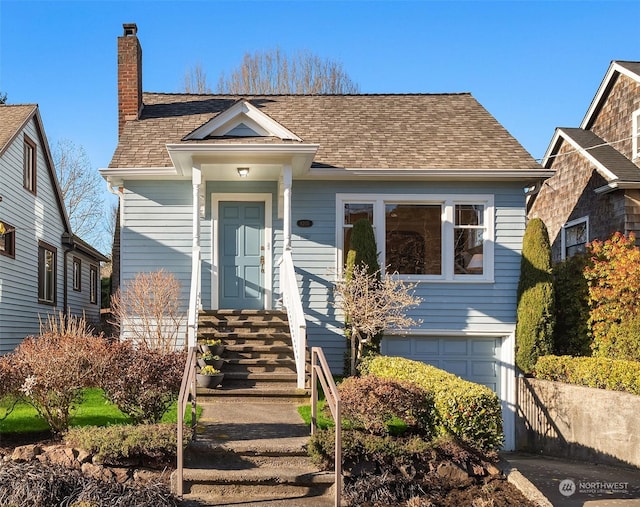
46 274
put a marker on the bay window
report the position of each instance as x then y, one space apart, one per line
424 237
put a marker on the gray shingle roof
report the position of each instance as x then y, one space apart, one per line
12 118
607 155
632 66
425 131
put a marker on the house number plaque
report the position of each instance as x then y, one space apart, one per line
304 223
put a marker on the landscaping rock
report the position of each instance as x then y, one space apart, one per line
26 452
121 475
453 473
83 456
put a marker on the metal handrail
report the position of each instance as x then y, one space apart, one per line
320 371
187 393
295 314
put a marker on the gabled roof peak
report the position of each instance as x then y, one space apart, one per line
242 119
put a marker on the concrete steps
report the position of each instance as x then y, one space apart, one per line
250 444
253 453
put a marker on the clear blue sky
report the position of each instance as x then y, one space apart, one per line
533 65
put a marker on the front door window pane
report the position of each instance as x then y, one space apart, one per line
413 239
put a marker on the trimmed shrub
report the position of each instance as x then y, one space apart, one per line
571 332
598 372
371 402
143 382
358 446
56 366
123 443
535 314
614 281
470 412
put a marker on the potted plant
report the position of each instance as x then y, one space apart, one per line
214 346
208 358
209 377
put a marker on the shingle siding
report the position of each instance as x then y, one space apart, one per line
613 122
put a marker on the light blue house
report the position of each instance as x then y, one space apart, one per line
44 268
249 201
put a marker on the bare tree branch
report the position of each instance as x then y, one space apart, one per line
82 192
371 304
273 72
195 80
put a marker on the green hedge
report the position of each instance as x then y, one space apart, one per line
471 412
599 372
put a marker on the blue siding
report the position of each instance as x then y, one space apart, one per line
452 307
157 233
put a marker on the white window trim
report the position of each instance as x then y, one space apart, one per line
635 135
448 203
563 235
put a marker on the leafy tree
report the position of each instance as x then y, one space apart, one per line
3 97
195 80
82 190
273 72
535 313
614 289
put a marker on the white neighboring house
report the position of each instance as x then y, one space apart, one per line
44 268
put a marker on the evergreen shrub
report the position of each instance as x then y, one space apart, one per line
571 332
535 313
598 372
468 411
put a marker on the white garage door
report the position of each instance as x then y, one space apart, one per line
474 359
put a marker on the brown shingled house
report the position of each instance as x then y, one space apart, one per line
250 200
595 190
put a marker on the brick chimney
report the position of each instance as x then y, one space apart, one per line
129 76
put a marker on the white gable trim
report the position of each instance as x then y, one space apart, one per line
602 169
603 90
242 112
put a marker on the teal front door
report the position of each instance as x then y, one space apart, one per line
241 247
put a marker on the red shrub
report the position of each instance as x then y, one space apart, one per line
143 382
370 402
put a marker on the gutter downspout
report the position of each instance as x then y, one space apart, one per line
67 240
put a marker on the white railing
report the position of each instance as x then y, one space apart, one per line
320 372
187 393
295 314
194 299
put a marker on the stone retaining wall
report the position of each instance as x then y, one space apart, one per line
578 422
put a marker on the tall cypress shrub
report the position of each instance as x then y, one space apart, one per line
535 314
571 333
363 251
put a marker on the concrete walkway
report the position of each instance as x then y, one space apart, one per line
566 483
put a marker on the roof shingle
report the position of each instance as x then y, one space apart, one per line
12 118
412 131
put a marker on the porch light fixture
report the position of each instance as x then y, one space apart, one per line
243 172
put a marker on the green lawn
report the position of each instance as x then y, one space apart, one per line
95 410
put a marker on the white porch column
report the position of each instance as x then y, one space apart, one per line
194 293
286 186
196 180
